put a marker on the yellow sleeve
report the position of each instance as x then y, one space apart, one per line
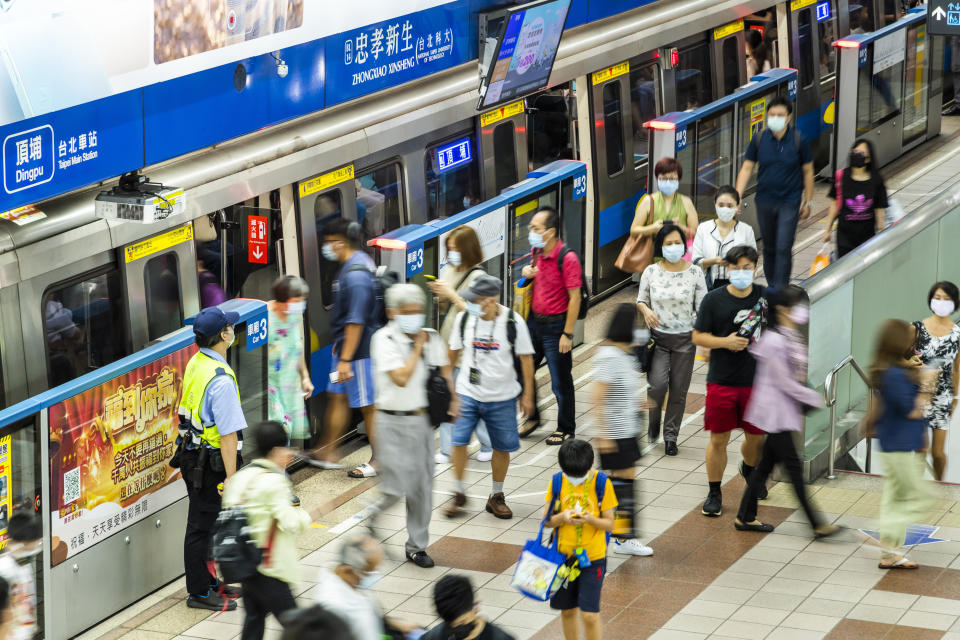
609 497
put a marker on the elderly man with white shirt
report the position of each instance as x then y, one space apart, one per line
402 352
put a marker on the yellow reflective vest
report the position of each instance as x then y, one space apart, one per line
200 372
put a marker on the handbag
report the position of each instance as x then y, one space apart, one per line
644 353
637 252
438 397
539 573
523 297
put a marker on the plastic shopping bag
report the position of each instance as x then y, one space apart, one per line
893 213
822 261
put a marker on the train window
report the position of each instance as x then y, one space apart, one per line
827 28
613 127
550 129
380 200
915 91
861 16
643 107
694 87
505 154
731 65
714 157
327 207
162 287
85 326
522 215
804 35
456 186
893 10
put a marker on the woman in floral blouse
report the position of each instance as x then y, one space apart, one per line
288 380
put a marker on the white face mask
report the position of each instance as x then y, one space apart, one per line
453 257
368 579
741 278
328 252
942 308
474 309
410 324
576 481
725 214
673 252
296 308
466 202
776 123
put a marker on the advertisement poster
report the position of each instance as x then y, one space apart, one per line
6 494
111 468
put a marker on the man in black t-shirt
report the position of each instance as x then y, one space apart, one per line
453 598
730 318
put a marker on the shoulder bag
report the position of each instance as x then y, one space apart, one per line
637 252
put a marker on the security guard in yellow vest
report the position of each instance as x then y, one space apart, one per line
211 419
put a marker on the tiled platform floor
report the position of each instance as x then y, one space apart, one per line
705 580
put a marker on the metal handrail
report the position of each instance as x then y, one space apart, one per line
830 397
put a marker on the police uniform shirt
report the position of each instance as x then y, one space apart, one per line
221 402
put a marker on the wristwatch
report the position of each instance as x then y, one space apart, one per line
569 335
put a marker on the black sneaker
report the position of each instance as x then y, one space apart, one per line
952 111
421 559
212 601
763 488
226 590
670 448
713 505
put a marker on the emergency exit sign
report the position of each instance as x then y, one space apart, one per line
257 239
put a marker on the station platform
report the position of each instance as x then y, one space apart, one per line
705 580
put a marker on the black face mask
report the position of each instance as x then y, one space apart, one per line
857 159
461 631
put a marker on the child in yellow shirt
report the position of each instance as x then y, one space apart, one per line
582 515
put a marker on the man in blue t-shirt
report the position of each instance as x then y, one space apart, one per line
353 320
784 187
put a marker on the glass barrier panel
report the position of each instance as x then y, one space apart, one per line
915 89
251 370
752 116
714 162
805 37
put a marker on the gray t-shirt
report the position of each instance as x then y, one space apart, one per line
674 297
618 370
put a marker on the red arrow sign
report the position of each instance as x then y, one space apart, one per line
257 239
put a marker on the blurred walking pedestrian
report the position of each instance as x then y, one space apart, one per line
288 379
454 600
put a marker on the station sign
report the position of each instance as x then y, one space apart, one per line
943 18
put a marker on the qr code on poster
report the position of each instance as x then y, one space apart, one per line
71 485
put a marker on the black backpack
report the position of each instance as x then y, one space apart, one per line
511 338
382 280
584 289
233 549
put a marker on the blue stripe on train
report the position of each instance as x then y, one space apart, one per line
614 221
320 368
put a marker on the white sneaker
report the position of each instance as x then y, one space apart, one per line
484 456
441 458
632 547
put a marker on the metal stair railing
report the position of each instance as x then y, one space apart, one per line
830 397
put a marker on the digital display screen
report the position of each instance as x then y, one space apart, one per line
823 11
526 52
453 155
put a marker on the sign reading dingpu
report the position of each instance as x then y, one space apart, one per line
110 449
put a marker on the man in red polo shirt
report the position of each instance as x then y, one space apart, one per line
553 316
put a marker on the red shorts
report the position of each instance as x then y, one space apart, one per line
725 407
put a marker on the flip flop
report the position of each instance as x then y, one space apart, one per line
364 470
903 563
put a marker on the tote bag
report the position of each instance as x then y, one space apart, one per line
637 252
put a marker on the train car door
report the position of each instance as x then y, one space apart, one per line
617 185
160 280
813 28
503 147
552 126
729 60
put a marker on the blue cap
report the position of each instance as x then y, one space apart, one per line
212 320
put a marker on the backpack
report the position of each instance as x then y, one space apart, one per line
600 487
511 338
233 549
584 289
382 280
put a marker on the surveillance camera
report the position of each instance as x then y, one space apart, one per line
282 69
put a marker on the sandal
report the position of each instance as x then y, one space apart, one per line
558 437
901 563
530 427
364 470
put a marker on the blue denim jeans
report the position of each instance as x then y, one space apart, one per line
501 419
778 227
546 344
446 432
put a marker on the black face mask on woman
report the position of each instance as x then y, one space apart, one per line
857 159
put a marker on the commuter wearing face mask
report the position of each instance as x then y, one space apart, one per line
454 600
938 345
784 187
716 237
402 352
858 197
669 298
288 379
17 567
729 320
665 205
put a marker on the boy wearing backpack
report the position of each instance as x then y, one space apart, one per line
492 338
581 504
264 493
559 292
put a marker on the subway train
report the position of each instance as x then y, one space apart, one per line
78 292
